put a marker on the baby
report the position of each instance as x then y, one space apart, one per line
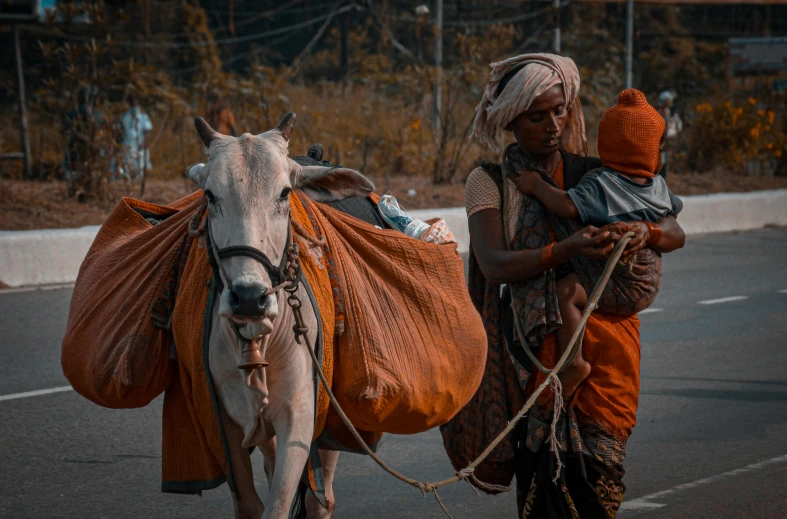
626 189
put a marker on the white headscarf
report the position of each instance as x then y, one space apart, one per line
539 73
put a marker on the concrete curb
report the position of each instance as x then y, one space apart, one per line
43 257
53 256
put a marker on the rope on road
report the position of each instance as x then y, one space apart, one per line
551 380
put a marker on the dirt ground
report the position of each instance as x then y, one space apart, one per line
26 205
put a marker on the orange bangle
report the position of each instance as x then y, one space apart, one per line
654 234
548 260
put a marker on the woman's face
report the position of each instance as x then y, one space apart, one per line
538 130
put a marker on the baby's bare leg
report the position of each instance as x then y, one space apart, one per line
572 300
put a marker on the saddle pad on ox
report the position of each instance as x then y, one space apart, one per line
413 349
193 456
116 349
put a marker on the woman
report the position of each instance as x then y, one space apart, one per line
535 98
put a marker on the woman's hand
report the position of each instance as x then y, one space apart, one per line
589 242
638 242
527 181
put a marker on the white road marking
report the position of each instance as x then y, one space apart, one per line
37 392
651 311
35 288
783 291
722 300
644 503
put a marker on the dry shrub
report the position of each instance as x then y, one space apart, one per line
732 137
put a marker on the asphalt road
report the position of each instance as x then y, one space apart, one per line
710 442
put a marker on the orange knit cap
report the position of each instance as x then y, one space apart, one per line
629 135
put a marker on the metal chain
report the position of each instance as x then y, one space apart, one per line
292 273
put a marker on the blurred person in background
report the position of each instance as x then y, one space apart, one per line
136 128
673 125
221 118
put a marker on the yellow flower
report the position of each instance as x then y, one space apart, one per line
777 154
770 117
752 101
738 112
769 146
755 133
416 124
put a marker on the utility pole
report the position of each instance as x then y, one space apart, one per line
629 42
438 62
556 40
344 52
20 81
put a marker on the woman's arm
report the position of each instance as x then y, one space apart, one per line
500 265
672 235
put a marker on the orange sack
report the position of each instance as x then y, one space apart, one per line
116 349
414 348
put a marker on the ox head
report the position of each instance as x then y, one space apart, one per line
247 182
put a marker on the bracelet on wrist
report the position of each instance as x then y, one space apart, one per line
548 259
654 234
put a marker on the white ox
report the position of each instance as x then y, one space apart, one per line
247 181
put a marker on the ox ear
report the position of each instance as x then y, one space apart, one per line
206 133
198 173
325 184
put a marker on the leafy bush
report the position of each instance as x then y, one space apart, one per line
737 137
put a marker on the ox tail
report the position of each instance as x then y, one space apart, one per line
298 508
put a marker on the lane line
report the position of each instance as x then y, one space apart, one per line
644 503
783 291
37 392
19 290
651 311
722 300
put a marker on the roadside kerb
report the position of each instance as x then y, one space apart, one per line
43 257
53 255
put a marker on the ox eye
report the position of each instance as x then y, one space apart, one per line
285 194
211 198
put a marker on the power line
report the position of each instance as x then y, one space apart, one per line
218 42
508 20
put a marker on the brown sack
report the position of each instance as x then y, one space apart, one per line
116 350
413 349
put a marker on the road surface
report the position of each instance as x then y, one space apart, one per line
710 440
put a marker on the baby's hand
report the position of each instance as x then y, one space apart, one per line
527 181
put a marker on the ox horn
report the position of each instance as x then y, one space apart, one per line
206 133
286 125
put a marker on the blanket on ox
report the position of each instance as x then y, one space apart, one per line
402 344
193 445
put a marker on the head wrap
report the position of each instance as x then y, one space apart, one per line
629 135
539 73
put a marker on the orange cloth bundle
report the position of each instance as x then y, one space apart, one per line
413 349
629 135
116 349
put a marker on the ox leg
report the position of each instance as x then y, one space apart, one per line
248 504
268 449
293 437
314 509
